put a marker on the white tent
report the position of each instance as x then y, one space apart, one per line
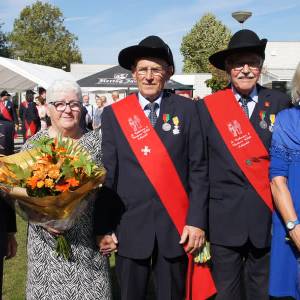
17 75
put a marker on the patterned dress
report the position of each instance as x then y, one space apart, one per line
86 276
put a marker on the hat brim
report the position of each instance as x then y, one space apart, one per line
128 56
218 58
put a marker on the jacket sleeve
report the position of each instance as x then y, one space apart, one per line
108 211
14 115
10 216
108 208
198 173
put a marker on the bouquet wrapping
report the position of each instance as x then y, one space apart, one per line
49 183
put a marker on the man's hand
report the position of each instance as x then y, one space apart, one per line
107 243
12 246
193 237
295 236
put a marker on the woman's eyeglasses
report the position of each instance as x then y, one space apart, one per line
62 105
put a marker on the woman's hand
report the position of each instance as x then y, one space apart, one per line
295 236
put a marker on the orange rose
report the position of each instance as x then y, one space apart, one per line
32 182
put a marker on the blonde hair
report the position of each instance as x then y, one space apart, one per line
295 91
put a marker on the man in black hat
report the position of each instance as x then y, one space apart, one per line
152 149
29 115
237 124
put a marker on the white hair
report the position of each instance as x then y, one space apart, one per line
295 90
60 88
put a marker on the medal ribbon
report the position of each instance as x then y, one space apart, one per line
166 118
161 172
175 121
272 119
252 157
262 115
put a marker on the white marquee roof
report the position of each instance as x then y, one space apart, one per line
17 75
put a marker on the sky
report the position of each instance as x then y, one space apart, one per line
104 28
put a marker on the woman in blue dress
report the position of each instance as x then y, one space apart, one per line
285 185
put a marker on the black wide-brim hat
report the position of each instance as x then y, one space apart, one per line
4 93
242 41
150 47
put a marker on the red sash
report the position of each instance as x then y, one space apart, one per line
30 129
160 170
242 141
5 112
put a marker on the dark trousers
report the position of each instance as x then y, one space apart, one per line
168 274
1 276
240 273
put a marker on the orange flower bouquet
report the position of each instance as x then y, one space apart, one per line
48 184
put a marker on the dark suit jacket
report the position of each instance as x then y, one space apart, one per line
29 114
7 130
7 224
236 212
145 217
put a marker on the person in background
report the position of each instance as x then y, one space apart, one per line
100 102
8 124
90 111
42 108
284 175
115 96
237 124
29 116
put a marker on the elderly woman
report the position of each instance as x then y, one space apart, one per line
86 276
285 184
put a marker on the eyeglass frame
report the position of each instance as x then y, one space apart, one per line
154 71
66 104
231 61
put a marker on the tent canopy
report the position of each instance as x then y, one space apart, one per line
118 77
17 75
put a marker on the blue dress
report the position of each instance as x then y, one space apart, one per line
285 161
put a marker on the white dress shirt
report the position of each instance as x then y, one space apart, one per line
251 104
143 102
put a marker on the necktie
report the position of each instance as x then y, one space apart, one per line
152 115
244 101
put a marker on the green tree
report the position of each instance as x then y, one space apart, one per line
39 36
4 48
206 37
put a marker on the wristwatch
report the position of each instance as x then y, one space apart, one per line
290 225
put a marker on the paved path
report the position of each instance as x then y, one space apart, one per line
18 142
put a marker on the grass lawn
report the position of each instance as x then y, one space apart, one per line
15 270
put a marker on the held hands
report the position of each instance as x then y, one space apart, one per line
107 243
12 246
53 230
193 238
295 236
